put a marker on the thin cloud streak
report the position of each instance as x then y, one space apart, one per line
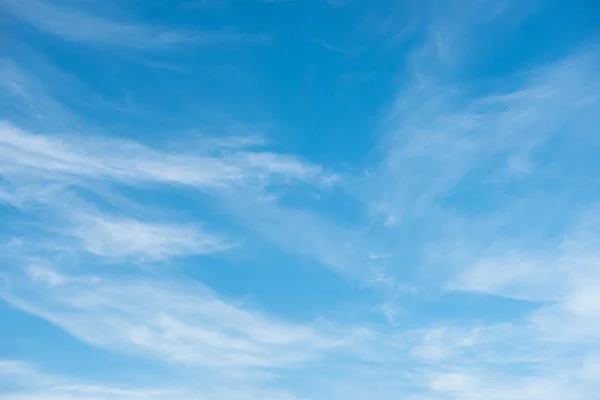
30 382
92 29
126 237
130 162
440 142
182 323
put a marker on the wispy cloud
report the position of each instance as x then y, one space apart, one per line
302 232
455 31
481 186
182 323
55 157
44 170
125 237
30 382
472 385
446 149
57 19
24 99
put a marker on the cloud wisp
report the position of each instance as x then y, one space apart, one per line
132 238
28 382
131 162
182 323
57 18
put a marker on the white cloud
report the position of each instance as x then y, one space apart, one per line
47 275
441 343
467 216
302 232
57 19
181 323
54 158
17 370
390 311
455 31
186 324
486 199
471 386
514 277
45 170
380 277
28 382
125 237
24 96
564 280
437 137
238 171
453 383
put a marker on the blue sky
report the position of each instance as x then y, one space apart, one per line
294 200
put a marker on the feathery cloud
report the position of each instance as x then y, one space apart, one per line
182 323
57 19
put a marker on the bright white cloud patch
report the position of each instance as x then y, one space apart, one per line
125 237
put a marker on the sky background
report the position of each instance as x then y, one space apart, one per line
296 200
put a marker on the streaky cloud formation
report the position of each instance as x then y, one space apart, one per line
126 237
134 163
181 323
36 384
57 18
184 216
